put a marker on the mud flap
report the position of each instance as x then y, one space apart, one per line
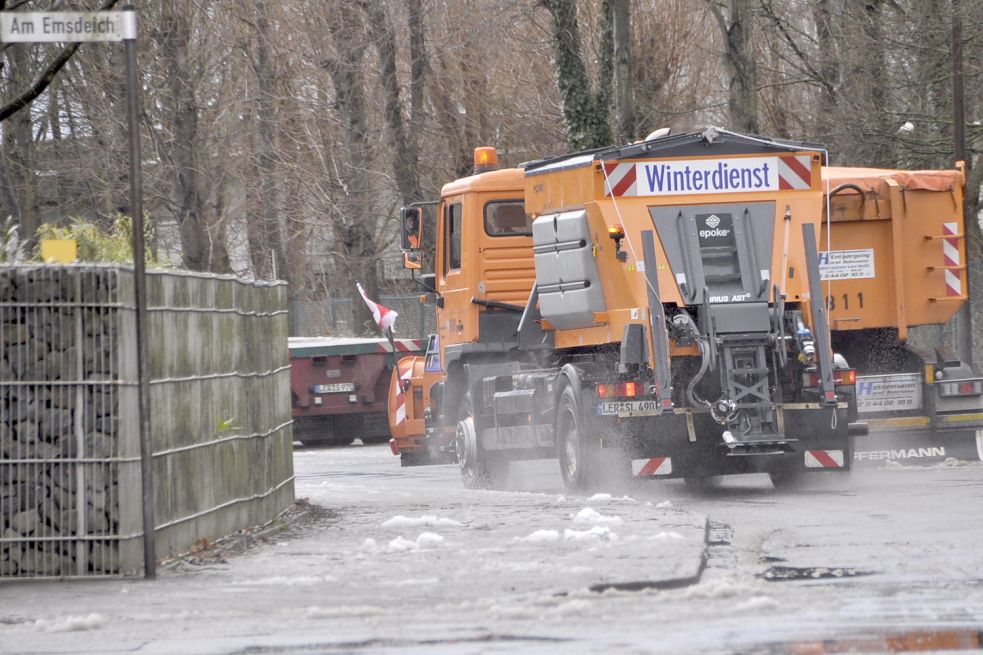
887 448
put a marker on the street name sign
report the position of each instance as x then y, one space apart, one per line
66 26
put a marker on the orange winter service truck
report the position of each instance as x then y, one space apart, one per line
650 311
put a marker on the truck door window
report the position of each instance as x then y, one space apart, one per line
453 221
507 218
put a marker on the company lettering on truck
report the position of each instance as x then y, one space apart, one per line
744 174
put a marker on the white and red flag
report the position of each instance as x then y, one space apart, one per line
384 317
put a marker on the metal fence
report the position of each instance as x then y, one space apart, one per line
70 492
63 383
332 317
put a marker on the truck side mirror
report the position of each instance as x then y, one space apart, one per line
428 282
411 222
412 260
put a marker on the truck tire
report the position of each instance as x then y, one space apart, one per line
479 468
578 455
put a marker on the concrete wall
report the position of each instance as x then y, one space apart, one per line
220 405
70 494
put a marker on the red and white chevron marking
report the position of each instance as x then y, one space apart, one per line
405 373
950 255
647 468
824 459
620 179
401 346
794 172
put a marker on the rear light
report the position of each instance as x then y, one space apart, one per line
961 388
618 390
840 376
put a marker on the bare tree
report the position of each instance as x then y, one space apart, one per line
624 96
739 59
585 104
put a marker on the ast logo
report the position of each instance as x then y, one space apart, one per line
713 221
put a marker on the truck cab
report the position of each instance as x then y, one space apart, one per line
483 272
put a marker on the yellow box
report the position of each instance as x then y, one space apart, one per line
58 251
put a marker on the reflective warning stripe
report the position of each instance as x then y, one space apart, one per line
950 255
404 375
829 459
620 179
794 172
645 468
400 345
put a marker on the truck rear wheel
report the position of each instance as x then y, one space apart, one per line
479 468
579 455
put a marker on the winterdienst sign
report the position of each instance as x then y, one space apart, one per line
66 26
688 176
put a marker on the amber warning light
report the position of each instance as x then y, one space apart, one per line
485 159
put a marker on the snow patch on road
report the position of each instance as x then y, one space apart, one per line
284 581
597 533
757 604
608 498
426 520
336 612
539 537
70 623
666 536
723 588
410 582
591 516
424 540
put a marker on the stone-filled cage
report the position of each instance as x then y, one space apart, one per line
70 489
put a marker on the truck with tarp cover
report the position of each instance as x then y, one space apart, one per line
893 260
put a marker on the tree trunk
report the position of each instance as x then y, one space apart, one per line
20 150
624 96
347 75
176 31
829 71
269 205
740 63
405 165
585 116
450 123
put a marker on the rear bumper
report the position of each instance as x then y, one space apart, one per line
696 447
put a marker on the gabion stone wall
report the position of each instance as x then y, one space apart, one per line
62 383
70 494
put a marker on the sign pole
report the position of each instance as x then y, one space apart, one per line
80 27
140 294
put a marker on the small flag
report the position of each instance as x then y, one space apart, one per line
384 317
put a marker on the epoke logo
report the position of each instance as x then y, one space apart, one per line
712 230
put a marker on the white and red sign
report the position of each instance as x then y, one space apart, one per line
647 468
950 254
827 459
690 176
405 369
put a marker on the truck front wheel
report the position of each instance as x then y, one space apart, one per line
479 468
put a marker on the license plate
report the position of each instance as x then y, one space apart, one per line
337 387
625 408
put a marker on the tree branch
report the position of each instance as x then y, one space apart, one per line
42 81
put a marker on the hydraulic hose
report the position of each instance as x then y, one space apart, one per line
704 366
